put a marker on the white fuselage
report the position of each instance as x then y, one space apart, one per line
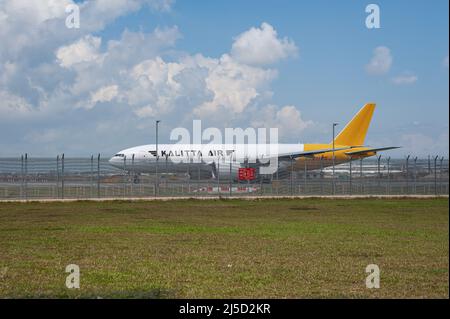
174 158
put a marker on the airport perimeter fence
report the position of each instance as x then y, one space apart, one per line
61 177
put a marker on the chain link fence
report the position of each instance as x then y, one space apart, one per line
62 177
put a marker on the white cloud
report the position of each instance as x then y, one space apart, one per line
287 119
146 111
96 14
118 60
421 144
405 79
29 29
7 70
84 50
234 85
12 106
445 62
53 71
381 61
261 46
291 120
104 94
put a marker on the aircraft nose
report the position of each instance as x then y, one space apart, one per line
113 161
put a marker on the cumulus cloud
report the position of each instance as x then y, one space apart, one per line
33 29
84 50
287 119
104 94
234 85
145 111
405 79
13 106
422 144
200 86
126 81
381 61
262 46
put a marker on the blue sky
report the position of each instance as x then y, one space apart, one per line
320 75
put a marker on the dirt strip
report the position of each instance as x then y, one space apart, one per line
106 199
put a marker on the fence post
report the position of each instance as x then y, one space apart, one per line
306 176
198 168
333 182
167 171
389 175
133 171
92 175
361 174
21 176
189 173
292 175
218 175
248 180
62 176
157 177
98 175
277 177
435 175
125 171
231 175
350 180
57 176
407 174
321 175
26 176
440 175
379 174
261 178
415 176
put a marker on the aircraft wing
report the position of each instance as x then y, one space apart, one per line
310 153
369 150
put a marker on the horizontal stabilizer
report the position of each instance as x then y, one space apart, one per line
369 150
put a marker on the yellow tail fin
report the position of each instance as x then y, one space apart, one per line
355 131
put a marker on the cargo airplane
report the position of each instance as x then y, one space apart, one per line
225 160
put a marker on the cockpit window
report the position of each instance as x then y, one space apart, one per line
119 155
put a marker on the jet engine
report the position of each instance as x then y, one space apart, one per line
224 170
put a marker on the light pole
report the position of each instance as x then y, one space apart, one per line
334 125
157 159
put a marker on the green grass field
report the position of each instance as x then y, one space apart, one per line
226 248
